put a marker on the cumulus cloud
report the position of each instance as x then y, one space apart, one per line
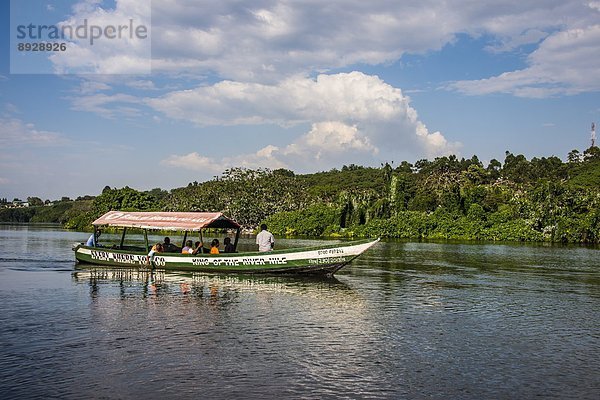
326 145
349 114
329 138
350 96
261 54
353 117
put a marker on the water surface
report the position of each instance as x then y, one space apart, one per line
405 320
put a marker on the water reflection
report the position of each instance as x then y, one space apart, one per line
162 283
229 293
276 335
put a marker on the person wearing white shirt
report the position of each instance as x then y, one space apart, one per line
265 239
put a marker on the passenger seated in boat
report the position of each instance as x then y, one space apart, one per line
188 248
214 246
157 248
228 246
93 239
169 247
199 248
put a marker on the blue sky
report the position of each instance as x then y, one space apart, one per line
305 85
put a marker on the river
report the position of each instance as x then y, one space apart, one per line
405 320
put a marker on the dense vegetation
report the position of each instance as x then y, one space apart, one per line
542 199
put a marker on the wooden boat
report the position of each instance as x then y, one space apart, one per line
321 260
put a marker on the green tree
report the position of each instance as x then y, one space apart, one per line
591 154
35 201
574 156
516 168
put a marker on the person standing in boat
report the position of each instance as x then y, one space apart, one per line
93 239
265 239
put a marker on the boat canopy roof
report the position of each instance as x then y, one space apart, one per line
171 221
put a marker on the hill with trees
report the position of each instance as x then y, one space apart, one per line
542 199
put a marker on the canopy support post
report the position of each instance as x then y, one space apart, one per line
95 241
146 239
237 237
122 238
184 239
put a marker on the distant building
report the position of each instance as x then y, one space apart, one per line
18 204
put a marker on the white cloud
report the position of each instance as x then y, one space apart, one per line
142 85
353 117
331 137
15 133
566 63
321 147
4 181
89 87
327 145
530 36
193 161
125 49
267 157
349 113
350 96
267 42
108 106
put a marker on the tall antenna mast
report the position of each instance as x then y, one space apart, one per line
593 134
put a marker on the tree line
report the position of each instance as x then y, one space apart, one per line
542 199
